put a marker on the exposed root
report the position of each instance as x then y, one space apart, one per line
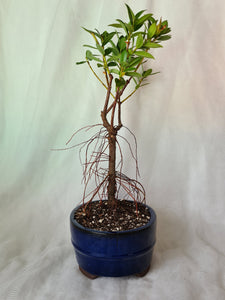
93 154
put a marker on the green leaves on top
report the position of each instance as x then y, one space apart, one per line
149 45
123 56
147 73
151 30
123 25
93 33
90 56
81 62
140 21
121 45
124 51
133 74
144 54
100 49
131 15
103 38
139 14
140 41
164 37
106 37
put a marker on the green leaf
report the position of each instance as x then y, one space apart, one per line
134 80
147 73
165 31
140 41
130 14
152 45
89 55
164 37
112 64
80 62
116 25
98 32
135 61
141 21
144 54
92 32
89 46
152 30
123 25
145 84
108 51
107 38
137 86
100 49
114 48
165 23
130 28
123 56
139 13
100 65
113 58
96 59
122 43
128 69
153 20
120 82
137 33
115 71
133 74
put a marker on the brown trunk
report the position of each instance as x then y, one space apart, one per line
111 189
112 132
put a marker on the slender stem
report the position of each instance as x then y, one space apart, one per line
108 92
114 107
98 78
119 115
106 77
132 92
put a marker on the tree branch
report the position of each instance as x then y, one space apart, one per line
98 78
114 106
108 92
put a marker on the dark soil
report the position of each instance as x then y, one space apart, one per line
101 216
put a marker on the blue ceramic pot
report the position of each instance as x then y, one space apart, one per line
114 254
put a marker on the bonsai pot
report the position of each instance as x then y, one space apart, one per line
116 253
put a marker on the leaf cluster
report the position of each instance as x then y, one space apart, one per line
124 51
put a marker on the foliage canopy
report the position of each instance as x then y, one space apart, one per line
124 51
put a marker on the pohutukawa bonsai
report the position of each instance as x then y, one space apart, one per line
113 236
121 56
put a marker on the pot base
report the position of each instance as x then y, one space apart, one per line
87 274
92 276
142 274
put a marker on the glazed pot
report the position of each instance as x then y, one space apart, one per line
114 254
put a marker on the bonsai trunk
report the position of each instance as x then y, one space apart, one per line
111 189
112 132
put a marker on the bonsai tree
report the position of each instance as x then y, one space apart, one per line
121 55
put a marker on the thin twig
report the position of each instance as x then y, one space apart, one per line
98 77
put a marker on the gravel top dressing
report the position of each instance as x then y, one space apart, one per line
101 216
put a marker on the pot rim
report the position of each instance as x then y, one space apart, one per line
101 232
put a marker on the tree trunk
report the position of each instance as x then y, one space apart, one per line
111 189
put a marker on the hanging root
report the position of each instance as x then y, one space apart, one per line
93 154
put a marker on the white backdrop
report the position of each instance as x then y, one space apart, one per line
179 123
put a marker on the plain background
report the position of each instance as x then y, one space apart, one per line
180 127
